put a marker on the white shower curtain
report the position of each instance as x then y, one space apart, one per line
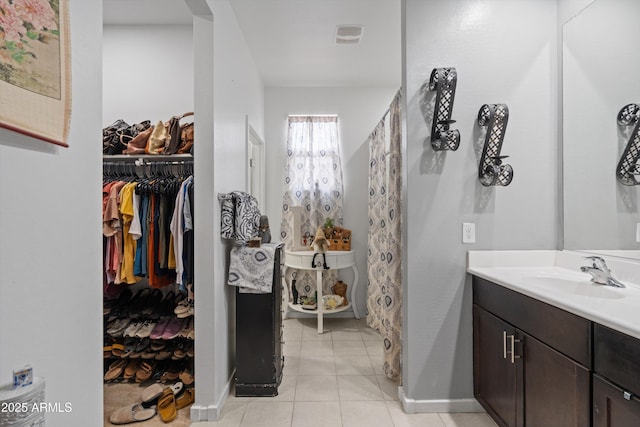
384 263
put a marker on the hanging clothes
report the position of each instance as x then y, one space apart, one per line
139 242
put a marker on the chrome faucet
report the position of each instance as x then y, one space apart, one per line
600 273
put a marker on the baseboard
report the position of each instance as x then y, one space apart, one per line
413 406
211 412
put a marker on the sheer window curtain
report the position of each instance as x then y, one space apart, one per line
313 180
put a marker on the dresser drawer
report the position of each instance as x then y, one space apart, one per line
617 357
561 330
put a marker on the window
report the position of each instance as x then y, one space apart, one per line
313 175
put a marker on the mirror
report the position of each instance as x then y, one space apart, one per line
601 74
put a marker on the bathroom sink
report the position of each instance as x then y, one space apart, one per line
570 283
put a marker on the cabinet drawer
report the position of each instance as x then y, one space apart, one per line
564 331
617 357
611 407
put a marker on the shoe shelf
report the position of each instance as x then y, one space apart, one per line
149 336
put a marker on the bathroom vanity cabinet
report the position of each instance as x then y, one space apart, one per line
531 360
616 379
550 348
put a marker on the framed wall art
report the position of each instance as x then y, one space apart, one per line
35 64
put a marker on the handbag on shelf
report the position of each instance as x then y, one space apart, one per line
138 144
174 143
117 137
186 143
111 137
157 139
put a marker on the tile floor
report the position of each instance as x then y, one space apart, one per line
333 379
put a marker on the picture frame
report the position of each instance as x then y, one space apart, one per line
35 69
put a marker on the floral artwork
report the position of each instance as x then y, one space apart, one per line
30 45
35 69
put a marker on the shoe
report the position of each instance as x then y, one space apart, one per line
180 351
166 352
151 393
145 329
145 370
186 399
187 376
189 311
141 347
132 414
131 369
129 347
167 305
158 329
116 327
188 326
157 345
131 330
167 406
138 302
117 348
182 307
173 329
151 304
115 370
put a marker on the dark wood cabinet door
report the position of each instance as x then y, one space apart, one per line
494 376
611 407
556 389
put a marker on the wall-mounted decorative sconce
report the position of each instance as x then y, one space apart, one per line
444 81
491 170
628 169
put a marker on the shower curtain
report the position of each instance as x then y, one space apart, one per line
384 263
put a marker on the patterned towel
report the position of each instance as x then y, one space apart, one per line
240 216
251 269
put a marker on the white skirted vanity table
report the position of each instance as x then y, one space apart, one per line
335 260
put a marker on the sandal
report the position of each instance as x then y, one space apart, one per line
131 369
167 406
145 371
186 376
115 370
117 349
187 398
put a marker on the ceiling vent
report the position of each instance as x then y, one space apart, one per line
349 34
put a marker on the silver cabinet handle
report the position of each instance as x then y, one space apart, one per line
513 340
504 344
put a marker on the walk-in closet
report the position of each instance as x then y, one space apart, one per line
149 227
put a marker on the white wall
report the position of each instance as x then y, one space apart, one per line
359 111
147 72
504 52
50 280
238 92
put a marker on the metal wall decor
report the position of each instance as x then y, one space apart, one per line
491 170
628 167
444 81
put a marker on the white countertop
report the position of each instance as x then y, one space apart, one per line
555 278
